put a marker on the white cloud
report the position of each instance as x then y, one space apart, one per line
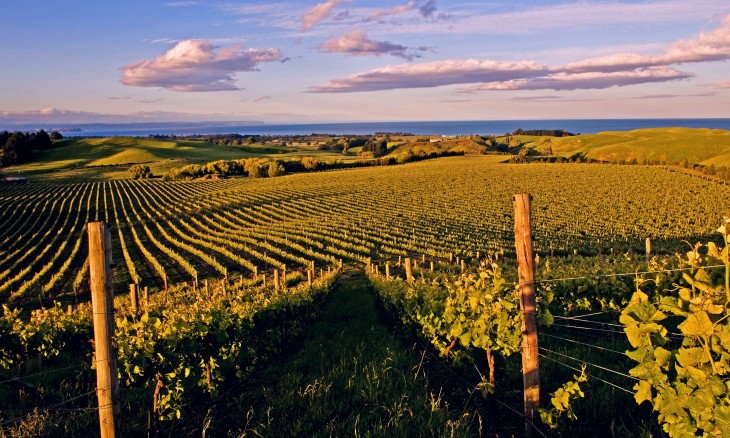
433 74
583 81
603 72
357 43
318 13
196 65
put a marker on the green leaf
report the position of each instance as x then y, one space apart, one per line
697 324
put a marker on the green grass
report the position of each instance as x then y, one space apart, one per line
349 377
110 157
670 145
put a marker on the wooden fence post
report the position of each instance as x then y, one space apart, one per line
526 275
277 280
133 297
409 269
146 297
102 302
309 277
387 270
648 250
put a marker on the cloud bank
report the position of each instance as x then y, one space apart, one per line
615 70
433 74
197 65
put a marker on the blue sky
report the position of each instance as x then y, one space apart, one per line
337 60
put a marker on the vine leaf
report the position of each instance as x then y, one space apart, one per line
697 324
643 392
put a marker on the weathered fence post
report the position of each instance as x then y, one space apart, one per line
133 297
409 269
102 302
648 250
526 275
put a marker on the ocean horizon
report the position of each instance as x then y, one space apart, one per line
465 127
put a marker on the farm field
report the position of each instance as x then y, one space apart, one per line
181 231
227 310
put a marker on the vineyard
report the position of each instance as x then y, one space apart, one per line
185 232
226 276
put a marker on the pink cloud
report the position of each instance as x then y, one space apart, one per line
711 46
615 70
357 43
581 81
318 13
723 84
433 74
196 65
382 13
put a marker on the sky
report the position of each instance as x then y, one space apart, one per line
86 61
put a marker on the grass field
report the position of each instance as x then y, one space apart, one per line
669 145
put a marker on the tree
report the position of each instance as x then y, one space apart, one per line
276 169
55 136
140 171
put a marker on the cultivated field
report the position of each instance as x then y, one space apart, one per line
178 231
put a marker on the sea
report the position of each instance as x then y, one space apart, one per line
447 128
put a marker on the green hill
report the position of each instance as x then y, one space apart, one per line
110 157
666 145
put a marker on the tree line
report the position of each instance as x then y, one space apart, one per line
18 147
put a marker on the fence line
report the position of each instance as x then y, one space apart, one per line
591 364
587 374
583 343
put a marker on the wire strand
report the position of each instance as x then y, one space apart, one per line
620 274
589 375
591 364
582 343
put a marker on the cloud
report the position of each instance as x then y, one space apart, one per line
616 70
428 8
723 84
382 13
318 13
196 65
537 98
712 46
261 99
52 115
582 81
181 3
433 74
357 43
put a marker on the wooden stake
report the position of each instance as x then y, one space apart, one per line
309 277
409 269
431 265
387 270
102 302
133 297
463 266
526 275
277 280
146 297
648 249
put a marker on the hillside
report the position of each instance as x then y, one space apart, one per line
667 145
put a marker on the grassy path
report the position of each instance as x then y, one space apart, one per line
348 377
